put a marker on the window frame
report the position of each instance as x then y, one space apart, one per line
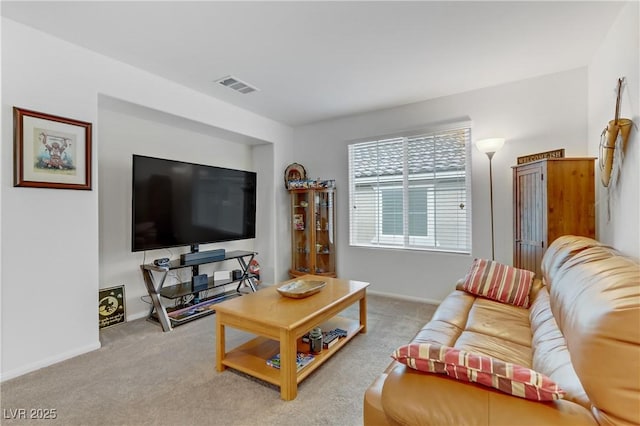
434 182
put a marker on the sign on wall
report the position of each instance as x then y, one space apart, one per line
556 153
111 306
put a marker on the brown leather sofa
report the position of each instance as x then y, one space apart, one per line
582 330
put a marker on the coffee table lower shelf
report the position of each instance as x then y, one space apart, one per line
251 357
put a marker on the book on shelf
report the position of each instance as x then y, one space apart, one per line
302 359
330 342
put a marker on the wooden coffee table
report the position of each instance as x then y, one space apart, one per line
280 322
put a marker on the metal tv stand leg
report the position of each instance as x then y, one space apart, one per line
244 265
154 293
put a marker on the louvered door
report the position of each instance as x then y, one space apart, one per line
530 217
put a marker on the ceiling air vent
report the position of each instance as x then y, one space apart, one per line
235 84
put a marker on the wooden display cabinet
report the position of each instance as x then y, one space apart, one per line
551 198
313 232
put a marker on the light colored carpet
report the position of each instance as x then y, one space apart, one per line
142 376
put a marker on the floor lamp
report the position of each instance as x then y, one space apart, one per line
489 147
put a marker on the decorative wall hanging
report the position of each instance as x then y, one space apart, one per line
51 151
294 172
612 144
556 153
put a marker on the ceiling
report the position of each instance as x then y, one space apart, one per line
313 61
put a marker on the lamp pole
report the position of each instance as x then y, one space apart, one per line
489 147
490 155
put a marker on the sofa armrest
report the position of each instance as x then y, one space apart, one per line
411 397
373 413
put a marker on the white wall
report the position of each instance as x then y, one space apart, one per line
618 56
50 238
534 115
273 238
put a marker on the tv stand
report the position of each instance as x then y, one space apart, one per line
168 317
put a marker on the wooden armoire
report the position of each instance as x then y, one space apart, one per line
551 198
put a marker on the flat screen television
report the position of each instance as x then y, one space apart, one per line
175 203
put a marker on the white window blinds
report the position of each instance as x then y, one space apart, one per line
412 192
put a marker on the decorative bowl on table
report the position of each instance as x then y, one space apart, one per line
301 288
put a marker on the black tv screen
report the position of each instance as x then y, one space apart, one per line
177 204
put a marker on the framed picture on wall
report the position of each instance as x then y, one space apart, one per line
51 151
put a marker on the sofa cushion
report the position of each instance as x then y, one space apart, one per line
475 324
494 347
550 353
499 282
489 317
510 378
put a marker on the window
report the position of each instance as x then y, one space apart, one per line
412 192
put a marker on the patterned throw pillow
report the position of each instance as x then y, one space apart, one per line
466 366
499 282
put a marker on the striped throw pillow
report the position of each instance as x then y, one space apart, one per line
499 282
466 366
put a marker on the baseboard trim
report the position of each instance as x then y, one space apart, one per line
12 374
402 297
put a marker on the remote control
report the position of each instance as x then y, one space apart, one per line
334 334
341 332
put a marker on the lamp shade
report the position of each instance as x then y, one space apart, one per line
490 145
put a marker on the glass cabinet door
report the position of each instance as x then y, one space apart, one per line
301 226
313 232
324 214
